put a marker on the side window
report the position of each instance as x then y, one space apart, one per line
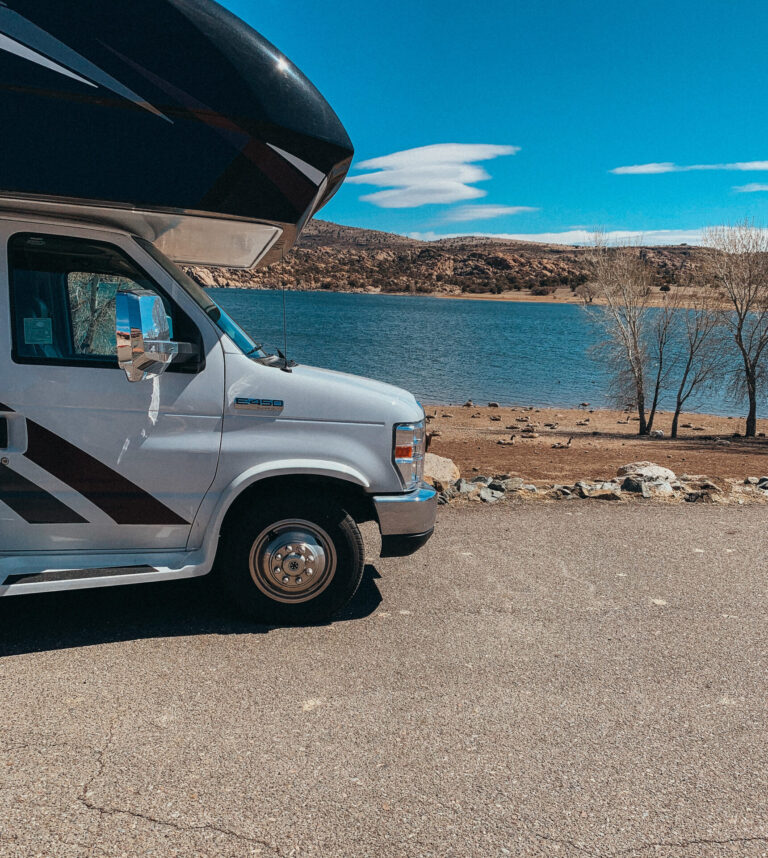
63 298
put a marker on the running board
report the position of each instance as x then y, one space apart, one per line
51 580
74 574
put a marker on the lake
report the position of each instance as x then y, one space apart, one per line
444 351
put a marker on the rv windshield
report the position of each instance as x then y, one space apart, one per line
222 320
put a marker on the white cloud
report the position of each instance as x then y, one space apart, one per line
475 212
442 173
751 188
669 167
583 236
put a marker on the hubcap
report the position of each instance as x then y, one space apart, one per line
292 561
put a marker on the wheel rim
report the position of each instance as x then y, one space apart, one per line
292 561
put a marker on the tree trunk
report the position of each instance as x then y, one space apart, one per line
655 402
643 428
751 429
675 420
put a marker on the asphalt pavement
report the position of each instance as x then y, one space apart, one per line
567 679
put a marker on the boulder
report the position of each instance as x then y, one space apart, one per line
488 495
465 488
440 472
647 471
513 484
640 487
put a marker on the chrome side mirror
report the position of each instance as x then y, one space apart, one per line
144 345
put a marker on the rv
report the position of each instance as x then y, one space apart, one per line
144 436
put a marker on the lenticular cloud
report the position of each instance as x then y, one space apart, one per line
442 173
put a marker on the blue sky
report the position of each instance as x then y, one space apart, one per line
541 102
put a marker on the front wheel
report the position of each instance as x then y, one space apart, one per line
293 563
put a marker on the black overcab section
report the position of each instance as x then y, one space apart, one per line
161 105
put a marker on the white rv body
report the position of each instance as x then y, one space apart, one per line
184 440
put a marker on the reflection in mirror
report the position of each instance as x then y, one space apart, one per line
144 345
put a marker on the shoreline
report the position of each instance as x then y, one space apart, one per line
561 296
547 446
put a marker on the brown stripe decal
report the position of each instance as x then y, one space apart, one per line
123 501
33 504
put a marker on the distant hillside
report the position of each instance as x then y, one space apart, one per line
347 259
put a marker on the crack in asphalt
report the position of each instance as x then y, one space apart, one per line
680 844
565 842
698 841
85 800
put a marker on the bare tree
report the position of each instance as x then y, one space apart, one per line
738 268
622 281
663 356
701 354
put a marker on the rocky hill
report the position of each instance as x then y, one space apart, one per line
347 259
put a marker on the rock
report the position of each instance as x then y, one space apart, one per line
584 405
513 484
493 404
631 484
440 472
204 277
496 486
530 435
699 497
559 493
495 418
488 495
711 487
661 489
608 496
751 481
469 404
762 480
657 433
648 471
529 487
721 442
443 498
465 488
481 479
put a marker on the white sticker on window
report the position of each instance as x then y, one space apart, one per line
38 332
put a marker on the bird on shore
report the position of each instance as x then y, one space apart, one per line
562 445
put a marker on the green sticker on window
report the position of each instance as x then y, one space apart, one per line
38 332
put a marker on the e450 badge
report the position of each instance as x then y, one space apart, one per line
246 403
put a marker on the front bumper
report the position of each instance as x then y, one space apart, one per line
406 520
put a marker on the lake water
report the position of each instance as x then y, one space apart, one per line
444 351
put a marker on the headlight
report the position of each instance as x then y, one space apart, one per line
409 452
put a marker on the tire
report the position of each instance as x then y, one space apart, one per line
294 562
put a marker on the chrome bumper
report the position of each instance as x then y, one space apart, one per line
410 513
